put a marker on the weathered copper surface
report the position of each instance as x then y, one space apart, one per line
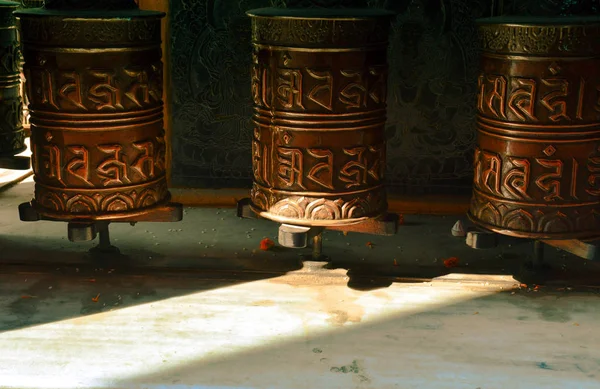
94 82
319 85
537 162
12 137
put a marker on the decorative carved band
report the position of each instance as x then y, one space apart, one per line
321 31
319 209
87 32
569 39
54 202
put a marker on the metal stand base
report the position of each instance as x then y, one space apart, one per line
87 230
299 237
15 163
477 238
481 239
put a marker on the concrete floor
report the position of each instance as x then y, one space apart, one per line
197 304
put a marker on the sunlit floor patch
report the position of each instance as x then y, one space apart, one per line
121 347
9 176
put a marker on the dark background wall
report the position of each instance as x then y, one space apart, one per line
432 87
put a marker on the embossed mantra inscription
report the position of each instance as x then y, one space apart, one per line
318 149
537 163
96 111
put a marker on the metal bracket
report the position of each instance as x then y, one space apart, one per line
85 230
298 237
483 239
15 163
585 250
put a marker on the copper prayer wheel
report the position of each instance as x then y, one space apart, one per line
12 136
94 83
27 4
319 87
537 161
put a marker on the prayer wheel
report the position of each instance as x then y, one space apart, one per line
319 88
12 136
537 160
27 4
94 83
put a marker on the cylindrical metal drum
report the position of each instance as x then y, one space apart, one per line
319 85
94 82
537 161
27 4
12 136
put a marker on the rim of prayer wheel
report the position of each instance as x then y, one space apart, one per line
8 4
91 14
321 13
91 4
321 28
527 21
573 36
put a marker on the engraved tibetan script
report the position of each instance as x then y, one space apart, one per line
144 163
488 168
326 168
104 93
79 165
593 181
141 91
356 172
112 169
517 178
322 172
49 162
75 165
522 98
260 162
550 182
307 88
289 88
291 169
95 89
322 93
535 100
516 181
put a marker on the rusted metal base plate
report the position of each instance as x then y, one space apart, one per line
386 225
298 237
484 239
170 212
585 250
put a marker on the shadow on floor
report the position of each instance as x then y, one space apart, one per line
215 244
454 344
